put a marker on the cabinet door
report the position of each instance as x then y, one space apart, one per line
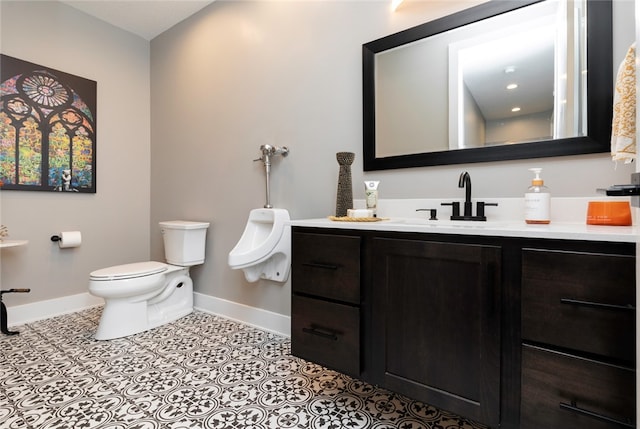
437 323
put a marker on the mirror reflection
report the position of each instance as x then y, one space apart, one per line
513 78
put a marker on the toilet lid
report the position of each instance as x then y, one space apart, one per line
138 269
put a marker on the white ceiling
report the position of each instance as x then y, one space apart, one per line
146 18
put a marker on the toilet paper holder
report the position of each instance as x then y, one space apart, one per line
67 239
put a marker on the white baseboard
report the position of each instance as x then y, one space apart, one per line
260 318
27 313
270 321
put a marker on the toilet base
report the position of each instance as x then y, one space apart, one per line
121 318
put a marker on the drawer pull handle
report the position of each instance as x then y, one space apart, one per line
321 333
597 304
320 265
574 408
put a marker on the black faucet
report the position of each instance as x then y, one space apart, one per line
467 214
465 182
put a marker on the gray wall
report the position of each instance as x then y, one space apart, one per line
241 74
114 221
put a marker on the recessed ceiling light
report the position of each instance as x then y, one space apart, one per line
515 109
512 86
509 69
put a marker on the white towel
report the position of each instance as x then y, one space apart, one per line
623 130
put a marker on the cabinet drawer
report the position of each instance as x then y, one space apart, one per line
581 301
326 266
326 333
561 391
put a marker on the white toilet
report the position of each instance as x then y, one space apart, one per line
144 295
264 250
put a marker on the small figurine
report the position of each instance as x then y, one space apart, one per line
4 232
66 180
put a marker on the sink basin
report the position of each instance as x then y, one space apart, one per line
446 223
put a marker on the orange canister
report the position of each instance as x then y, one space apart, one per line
615 213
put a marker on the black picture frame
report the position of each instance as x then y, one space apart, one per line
48 128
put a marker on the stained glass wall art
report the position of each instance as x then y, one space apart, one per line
47 129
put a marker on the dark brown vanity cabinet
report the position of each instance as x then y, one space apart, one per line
515 333
437 318
578 331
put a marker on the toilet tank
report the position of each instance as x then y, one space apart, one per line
184 242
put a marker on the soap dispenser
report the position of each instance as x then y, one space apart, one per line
537 201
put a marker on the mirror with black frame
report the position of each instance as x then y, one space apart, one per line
499 81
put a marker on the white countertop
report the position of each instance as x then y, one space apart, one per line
568 220
564 231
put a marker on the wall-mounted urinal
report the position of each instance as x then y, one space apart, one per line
264 250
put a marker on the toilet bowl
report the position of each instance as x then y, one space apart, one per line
144 295
264 249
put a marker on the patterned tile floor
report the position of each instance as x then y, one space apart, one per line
202 371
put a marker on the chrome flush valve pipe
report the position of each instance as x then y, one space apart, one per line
267 152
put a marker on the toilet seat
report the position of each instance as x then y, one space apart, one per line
129 271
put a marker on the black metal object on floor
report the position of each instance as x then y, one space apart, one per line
3 311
